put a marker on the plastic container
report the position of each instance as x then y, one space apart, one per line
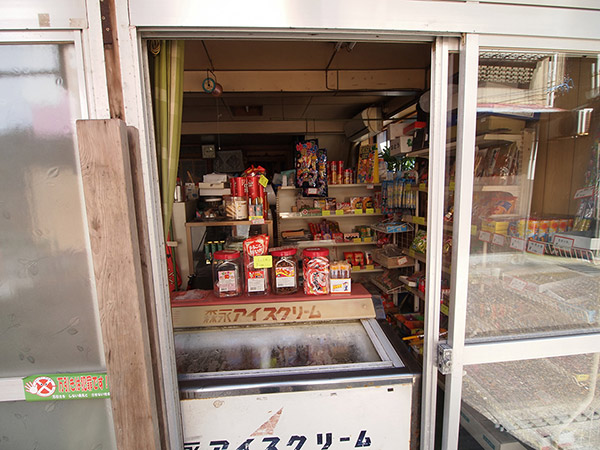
236 208
257 278
227 273
315 268
284 274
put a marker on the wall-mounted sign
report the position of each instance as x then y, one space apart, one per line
65 386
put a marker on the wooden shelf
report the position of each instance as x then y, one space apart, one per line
415 219
221 223
227 223
335 186
330 243
482 139
423 258
300 216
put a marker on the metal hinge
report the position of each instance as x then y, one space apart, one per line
444 358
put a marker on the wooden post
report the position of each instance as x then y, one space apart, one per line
148 280
109 201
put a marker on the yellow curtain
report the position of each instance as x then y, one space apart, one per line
168 103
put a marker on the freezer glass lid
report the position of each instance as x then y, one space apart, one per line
273 347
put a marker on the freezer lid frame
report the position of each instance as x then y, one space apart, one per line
389 359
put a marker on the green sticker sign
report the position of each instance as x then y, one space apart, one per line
65 386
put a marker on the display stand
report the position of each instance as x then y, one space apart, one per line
268 223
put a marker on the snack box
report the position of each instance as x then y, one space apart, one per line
410 323
340 285
493 226
349 237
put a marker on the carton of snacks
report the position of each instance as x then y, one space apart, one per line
339 277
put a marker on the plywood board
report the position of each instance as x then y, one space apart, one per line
108 192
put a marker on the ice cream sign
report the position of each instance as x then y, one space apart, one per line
68 386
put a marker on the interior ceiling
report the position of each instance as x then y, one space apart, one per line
283 81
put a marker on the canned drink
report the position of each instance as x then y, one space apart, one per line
340 171
252 187
348 176
333 178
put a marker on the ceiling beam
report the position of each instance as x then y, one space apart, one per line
308 80
264 127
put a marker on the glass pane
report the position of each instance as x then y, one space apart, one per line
548 403
221 350
48 319
49 316
535 228
70 424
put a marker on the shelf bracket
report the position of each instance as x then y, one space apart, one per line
444 358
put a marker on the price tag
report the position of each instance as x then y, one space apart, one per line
444 309
263 262
369 267
370 186
517 284
368 239
473 230
517 244
357 240
563 242
257 220
325 212
411 253
263 181
452 186
498 239
584 192
485 236
358 211
536 247
369 211
422 187
339 212
377 210
419 220
401 261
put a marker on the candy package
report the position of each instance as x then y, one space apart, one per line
311 169
419 243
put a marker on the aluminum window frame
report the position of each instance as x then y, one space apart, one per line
508 348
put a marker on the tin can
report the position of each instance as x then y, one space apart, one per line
238 186
252 187
348 176
340 171
333 178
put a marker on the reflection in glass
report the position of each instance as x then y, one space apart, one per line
48 319
549 403
48 312
70 424
535 242
231 349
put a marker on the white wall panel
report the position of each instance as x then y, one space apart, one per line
27 14
382 15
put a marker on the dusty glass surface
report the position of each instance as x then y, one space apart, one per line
535 245
549 403
48 315
48 319
71 424
247 348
